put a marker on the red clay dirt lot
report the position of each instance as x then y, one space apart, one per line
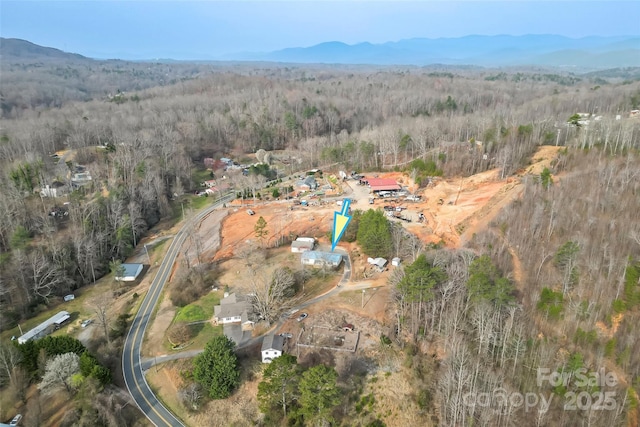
465 201
283 219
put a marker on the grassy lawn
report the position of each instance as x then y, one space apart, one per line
198 310
8 406
353 298
78 310
202 334
190 313
157 248
320 283
205 334
201 175
198 202
189 202
159 381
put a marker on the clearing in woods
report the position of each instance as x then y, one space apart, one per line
454 210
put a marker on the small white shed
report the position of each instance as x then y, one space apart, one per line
299 245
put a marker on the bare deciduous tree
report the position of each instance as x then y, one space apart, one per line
10 357
45 276
19 384
101 305
191 396
271 296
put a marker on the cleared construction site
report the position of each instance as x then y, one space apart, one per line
328 339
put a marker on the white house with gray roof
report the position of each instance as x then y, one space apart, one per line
234 309
272 347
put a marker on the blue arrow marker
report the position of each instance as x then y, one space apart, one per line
340 222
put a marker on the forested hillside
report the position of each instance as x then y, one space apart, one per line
142 131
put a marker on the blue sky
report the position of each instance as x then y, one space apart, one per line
208 29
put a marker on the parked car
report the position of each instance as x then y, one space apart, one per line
286 335
302 317
413 198
16 420
86 323
250 212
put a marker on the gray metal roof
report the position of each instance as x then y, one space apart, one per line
330 257
233 306
302 244
272 342
42 327
130 270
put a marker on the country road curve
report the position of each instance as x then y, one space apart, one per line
132 367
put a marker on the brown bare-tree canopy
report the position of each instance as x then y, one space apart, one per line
552 282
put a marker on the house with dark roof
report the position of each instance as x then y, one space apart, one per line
272 347
308 183
234 309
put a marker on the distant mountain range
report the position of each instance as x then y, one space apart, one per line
490 51
587 53
12 50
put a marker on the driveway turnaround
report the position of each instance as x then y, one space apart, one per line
132 367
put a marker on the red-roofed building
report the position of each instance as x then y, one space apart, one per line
383 184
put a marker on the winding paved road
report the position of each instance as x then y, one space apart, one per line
132 367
